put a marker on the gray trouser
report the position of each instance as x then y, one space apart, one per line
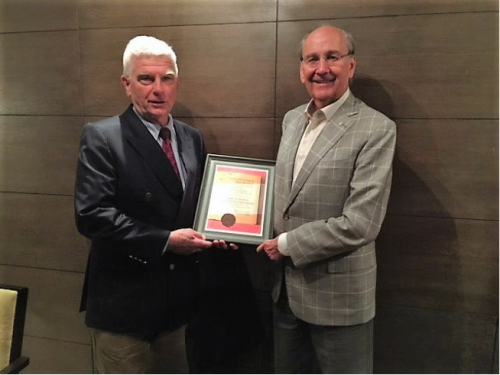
303 348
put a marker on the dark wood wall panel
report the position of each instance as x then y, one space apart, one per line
431 65
39 231
53 304
419 341
43 150
496 364
219 77
424 66
101 67
41 75
439 169
36 15
237 136
132 13
439 264
303 9
277 134
436 66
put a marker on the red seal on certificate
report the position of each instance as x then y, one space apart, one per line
228 220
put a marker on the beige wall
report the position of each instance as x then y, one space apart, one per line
430 65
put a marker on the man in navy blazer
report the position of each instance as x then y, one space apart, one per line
333 178
142 274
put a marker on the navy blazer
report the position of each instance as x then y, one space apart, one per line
127 200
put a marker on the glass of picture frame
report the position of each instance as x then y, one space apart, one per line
236 200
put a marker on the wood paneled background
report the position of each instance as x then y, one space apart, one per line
430 65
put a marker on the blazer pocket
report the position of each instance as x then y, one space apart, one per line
340 162
353 262
338 154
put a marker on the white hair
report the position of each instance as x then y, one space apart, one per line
149 46
351 42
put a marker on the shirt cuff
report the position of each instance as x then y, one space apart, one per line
282 244
165 248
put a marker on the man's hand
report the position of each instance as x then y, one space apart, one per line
186 242
270 247
221 244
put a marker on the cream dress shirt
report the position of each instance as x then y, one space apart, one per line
317 122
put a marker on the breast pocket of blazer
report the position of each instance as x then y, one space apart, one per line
342 158
335 171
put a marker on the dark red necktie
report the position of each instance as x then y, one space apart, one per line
167 148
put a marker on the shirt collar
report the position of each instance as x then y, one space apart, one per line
154 129
327 111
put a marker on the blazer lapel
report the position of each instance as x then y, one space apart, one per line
139 137
299 126
186 153
333 131
188 159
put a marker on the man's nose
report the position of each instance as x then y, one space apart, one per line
323 66
157 85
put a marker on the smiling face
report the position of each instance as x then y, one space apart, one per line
152 87
326 66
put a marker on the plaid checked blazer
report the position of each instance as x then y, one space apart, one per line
333 212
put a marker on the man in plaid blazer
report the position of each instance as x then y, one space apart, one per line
333 178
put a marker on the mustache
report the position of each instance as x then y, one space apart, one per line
327 79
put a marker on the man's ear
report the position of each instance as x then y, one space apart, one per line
126 84
302 76
352 67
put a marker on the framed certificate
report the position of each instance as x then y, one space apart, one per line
236 200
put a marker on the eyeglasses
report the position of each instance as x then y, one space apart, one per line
331 59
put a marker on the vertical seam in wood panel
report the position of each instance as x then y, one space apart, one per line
494 363
275 79
79 50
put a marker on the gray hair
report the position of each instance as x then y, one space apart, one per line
148 46
351 43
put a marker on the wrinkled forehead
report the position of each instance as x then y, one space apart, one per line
144 61
325 39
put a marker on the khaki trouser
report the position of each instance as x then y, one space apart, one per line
115 353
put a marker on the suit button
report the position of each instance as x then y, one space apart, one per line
172 267
286 217
148 196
